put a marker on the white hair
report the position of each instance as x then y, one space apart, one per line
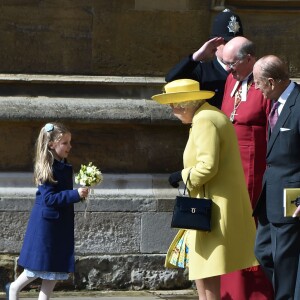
186 104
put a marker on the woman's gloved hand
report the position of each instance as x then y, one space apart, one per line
174 178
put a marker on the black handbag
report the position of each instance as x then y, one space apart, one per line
192 213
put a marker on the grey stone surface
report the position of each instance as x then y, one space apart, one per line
90 110
121 236
116 295
103 99
13 225
156 235
135 272
118 217
113 122
102 37
112 232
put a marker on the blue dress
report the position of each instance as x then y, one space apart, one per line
49 239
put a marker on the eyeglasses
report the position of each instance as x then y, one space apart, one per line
232 65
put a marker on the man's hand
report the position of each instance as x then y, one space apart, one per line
208 49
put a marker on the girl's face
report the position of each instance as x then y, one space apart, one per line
61 148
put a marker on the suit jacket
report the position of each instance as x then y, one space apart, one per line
283 162
211 76
49 239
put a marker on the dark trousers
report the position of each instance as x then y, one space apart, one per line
277 249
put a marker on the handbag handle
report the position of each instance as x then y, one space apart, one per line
186 185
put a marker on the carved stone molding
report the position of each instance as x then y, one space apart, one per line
286 5
257 4
218 5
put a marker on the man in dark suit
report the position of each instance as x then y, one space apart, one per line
205 65
277 245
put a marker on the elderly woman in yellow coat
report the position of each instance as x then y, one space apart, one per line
212 160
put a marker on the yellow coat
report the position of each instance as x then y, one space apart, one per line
212 155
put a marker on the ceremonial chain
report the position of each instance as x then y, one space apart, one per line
237 100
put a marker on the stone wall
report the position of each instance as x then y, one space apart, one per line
132 37
114 122
121 236
104 57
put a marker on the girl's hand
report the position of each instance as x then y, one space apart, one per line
83 192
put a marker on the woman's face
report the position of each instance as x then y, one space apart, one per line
184 113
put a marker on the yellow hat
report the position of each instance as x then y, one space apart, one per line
182 90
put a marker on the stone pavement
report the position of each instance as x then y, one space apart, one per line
113 295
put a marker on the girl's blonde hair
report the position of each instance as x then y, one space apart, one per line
43 161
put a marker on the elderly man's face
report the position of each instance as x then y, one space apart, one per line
261 83
240 68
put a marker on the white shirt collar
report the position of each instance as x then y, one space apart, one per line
244 88
286 92
283 97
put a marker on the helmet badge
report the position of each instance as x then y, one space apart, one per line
233 25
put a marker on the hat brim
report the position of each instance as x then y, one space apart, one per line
169 98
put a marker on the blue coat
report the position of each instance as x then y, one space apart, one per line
49 239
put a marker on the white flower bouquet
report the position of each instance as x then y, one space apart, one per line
89 175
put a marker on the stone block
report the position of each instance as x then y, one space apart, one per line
167 5
127 272
107 233
156 233
7 264
121 237
13 226
102 37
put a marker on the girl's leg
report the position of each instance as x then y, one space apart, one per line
46 289
18 285
208 288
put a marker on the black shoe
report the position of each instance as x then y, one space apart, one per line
7 287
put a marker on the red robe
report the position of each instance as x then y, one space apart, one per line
250 122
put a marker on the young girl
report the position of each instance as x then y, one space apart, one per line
48 248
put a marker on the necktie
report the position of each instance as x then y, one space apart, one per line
273 116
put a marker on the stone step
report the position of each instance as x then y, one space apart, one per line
92 99
107 87
86 110
18 185
134 209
